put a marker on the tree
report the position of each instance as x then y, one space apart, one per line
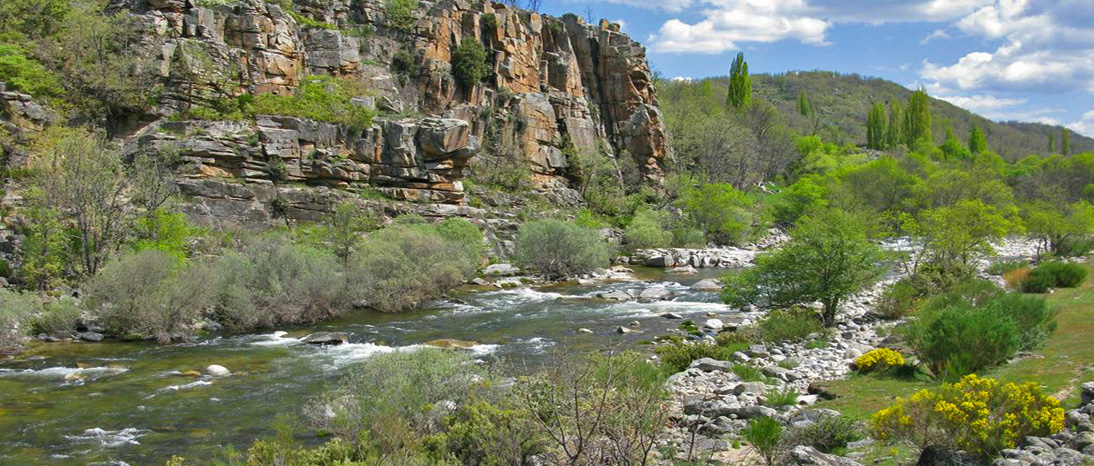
954 235
345 227
740 84
720 211
917 119
894 135
556 248
1065 141
469 63
827 259
978 143
1051 144
953 148
1054 224
805 108
875 127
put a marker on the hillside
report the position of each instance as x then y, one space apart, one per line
843 100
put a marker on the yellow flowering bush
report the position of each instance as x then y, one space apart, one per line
879 359
978 415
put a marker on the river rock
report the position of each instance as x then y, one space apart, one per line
190 373
757 388
326 338
501 270
217 370
1087 393
617 295
91 336
672 315
714 324
585 330
685 270
450 343
707 284
656 293
803 455
624 330
712 365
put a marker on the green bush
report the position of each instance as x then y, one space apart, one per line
405 66
164 230
829 434
15 309
1040 283
1035 319
321 98
647 231
493 434
151 294
765 435
469 63
899 300
781 325
556 248
270 281
721 212
25 74
677 356
777 398
56 318
961 339
400 14
407 264
750 373
1002 267
1060 274
973 292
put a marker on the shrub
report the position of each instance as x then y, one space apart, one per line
878 360
977 415
961 339
25 74
765 436
899 300
321 98
396 400
721 212
974 292
15 309
469 63
1016 279
1002 267
405 66
556 249
678 355
829 434
647 231
787 397
164 230
1060 274
780 325
271 281
749 373
406 265
400 14
151 293
1035 319
56 318
493 434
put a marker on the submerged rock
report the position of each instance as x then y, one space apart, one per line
91 336
656 293
708 284
326 338
449 343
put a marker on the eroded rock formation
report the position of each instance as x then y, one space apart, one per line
559 86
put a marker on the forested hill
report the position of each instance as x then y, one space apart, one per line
843 100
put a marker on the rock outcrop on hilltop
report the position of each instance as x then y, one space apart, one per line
559 86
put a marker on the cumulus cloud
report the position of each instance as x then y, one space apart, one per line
936 34
1085 125
736 21
982 104
673 6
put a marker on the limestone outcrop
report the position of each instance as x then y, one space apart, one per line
558 87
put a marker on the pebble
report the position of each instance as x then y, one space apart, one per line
217 370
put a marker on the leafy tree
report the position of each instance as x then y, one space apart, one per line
894 134
978 143
30 20
1065 141
954 235
25 74
917 119
46 249
720 211
345 228
827 259
164 230
469 64
647 230
805 108
740 84
1051 144
1054 224
556 248
875 127
953 148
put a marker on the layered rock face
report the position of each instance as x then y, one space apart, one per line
559 87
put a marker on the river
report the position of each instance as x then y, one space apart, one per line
116 403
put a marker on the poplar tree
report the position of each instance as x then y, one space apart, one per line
1065 141
1051 144
740 84
875 127
895 132
917 119
978 143
805 107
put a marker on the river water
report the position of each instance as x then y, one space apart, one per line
116 403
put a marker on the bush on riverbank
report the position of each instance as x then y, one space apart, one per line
1054 275
677 356
780 325
557 249
272 281
979 415
15 309
404 266
151 294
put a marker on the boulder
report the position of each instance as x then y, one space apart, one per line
685 270
714 324
500 270
326 338
803 455
660 261
450 343
656 293
624 330
618 295
91 336
585 331
672 315
712 365
707 284
1087 393
756 388
934 456
217 370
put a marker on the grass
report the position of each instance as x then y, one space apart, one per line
1059 367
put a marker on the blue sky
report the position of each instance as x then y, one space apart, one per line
1028 60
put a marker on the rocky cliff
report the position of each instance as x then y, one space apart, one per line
559 87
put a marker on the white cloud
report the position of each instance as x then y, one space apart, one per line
673 6
982 104
736 21
622 24
936 34
1085 125
683 79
